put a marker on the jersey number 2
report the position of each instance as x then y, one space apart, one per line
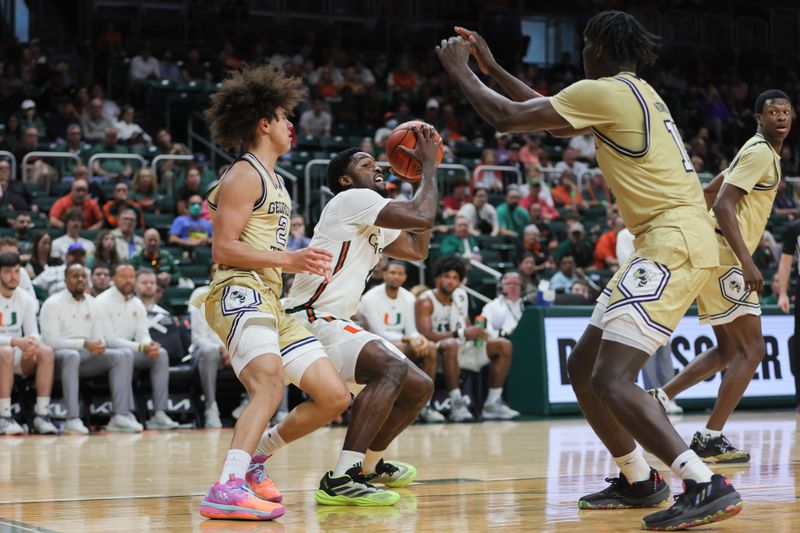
672 128
282 231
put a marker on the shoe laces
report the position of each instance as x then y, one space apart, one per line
258 471
386 468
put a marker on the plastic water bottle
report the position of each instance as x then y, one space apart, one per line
480 321
544 296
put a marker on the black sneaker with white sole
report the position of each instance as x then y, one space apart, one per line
700 503
621 494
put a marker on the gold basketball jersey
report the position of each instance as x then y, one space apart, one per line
268 227
756 170
643 159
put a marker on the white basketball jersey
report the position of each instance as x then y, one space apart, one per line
347 229
451 317
390 318
18 316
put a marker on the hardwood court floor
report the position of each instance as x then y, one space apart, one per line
503 476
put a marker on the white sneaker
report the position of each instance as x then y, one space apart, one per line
212 417
431 415
160 420
9 426
238 411
673 408
123 424
43 425
460 412
498 411
130 416
75 425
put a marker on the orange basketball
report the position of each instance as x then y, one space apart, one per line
403 165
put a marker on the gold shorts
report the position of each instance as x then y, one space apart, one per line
655 295
245 301
723 299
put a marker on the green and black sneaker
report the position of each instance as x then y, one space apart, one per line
353 488
621 494
394 473
716 450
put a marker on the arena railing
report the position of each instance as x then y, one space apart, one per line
383 164
47 155
169 157
105 155
475 294
498 168
12 159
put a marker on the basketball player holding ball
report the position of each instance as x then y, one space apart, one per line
357 226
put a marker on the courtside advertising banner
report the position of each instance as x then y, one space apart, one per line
773 377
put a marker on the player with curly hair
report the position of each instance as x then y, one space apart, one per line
252 208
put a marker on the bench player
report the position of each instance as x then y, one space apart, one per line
251 225
742 198
642 156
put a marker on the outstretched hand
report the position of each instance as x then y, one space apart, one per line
478 48
427 148
453 53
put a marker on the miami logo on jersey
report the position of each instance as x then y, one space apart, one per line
387 320
8 319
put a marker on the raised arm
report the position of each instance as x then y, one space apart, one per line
725 211
419 213
237 195
536 114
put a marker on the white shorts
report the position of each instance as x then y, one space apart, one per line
624 328
258 339
471 357
342 341
17 361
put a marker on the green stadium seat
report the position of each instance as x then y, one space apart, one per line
158 220
45 202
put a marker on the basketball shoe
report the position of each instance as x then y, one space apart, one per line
353 488
669 406
232 500
9 426
498 411
623 495
700 503
717 449
460 410
259 482
394 473
43 425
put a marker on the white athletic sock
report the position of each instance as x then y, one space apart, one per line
712 433
42 404
633 465
689 466
347 460
494 395
5 407
236 463
455 394
270 443
371 459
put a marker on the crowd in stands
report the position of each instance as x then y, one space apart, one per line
119 232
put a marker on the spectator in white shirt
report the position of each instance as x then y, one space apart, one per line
316 121
20 350
52 277
208 354
73 223
130 132
503 313
126 328
481 214
145 66
569 161
584 144
73 326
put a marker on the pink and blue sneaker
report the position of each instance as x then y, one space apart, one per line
259 482
233 500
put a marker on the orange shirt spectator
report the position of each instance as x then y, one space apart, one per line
77 197
563 197
605 251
